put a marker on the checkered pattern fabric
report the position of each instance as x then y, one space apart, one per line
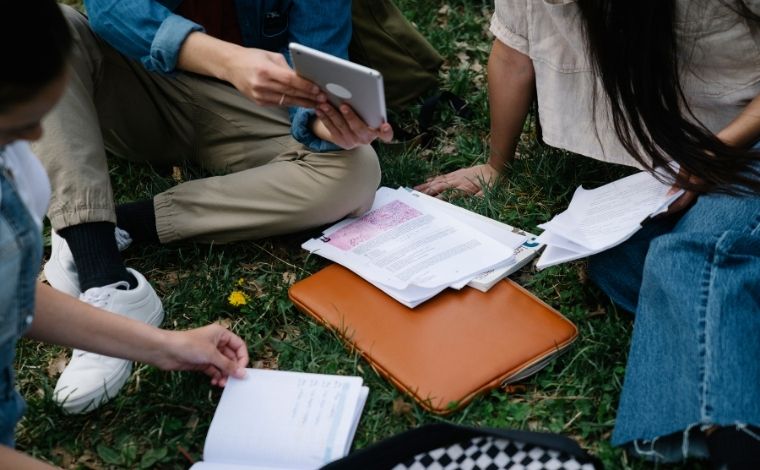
489 453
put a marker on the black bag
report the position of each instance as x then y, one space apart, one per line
449 447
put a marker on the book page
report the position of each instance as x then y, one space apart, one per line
284 419
600 218
401 242
501 232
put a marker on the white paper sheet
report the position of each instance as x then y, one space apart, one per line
402 242
601 218
278 419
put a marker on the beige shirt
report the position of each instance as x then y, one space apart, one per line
720 69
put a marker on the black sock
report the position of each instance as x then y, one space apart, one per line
95 253
139 220
734 449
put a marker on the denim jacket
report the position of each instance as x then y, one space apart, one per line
20 255
149 31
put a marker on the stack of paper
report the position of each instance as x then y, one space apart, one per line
499 231
412 247
598 219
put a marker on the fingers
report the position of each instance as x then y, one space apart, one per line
435 186
386 132
347 129
686 200
289 82
468 180
235 350
228 355
357 126
267 79
335 123
285 99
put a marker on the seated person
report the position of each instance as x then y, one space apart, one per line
34 78
645 83
168 82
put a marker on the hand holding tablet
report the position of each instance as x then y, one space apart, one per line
356 112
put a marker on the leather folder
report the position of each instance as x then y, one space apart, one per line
446 351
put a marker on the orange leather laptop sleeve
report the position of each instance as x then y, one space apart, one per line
449 349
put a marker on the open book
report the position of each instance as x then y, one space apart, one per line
599 219
277 420
412 246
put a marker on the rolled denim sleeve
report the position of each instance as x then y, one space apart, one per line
144 30
325 26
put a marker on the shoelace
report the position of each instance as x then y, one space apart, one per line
98 297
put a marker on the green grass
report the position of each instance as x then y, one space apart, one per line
160 419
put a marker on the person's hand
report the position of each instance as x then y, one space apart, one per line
686 199
344 128
470 180
212 349
267 79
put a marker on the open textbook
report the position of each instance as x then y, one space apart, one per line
412 246
277 420
598 219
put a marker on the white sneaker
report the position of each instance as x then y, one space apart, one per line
61 271
92 379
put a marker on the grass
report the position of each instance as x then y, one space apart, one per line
160 419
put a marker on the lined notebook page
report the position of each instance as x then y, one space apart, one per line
284 419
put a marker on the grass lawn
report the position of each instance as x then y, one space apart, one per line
160 419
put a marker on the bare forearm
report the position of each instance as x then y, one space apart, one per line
206 55
511 82
745 129
64 320
13 459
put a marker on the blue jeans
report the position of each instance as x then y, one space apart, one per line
694 284
20 255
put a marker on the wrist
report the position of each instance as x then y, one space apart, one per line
229 57
318 128
496 164
160 346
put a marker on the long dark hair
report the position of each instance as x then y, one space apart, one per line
633 49
34 48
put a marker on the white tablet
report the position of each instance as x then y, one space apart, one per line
343 82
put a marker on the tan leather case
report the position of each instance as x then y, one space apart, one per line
447 350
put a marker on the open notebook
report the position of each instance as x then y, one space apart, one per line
277 420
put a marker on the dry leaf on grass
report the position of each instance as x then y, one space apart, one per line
401 407
66 459
289 278
88 460
598 312
177 174
57 364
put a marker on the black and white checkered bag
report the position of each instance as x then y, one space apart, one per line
449 447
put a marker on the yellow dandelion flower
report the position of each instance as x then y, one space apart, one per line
240 281
237 298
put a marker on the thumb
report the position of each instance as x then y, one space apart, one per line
227 366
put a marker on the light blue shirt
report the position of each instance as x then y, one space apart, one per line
149 31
